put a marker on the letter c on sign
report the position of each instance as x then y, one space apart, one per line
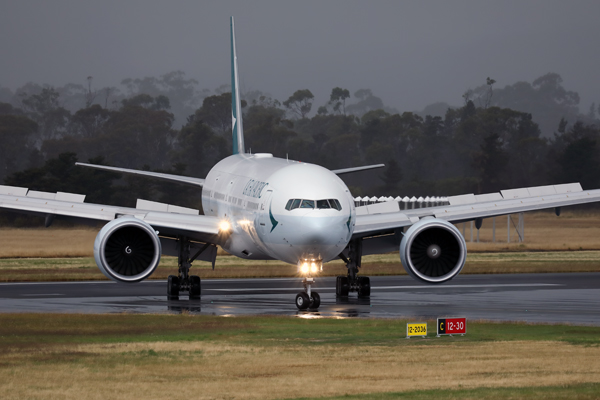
441 326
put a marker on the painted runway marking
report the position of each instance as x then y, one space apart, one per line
500 285
468 286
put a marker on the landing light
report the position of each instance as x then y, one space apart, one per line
310 267
224 226
314 268
304 268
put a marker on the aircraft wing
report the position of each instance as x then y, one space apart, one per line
169 220
382 218
150 174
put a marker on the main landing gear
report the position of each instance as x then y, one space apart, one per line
353 283
308 298
184 282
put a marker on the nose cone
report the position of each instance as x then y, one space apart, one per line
323 234
317 230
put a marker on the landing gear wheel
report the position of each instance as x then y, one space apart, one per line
195 288
302 301
173 287
342 286
364 286
315 301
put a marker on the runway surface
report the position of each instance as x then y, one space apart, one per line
555 298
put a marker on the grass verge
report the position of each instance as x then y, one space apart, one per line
582 391
185 356
84 268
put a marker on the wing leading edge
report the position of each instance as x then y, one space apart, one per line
169 220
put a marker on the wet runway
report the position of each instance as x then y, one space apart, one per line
555 298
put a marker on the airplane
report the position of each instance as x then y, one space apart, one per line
260 207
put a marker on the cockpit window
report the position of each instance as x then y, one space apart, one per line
308 204
321 204
335 203
292 204
288 206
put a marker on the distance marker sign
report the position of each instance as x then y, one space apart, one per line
451 326
416 329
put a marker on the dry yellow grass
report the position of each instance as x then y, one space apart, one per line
209 370
65 254
543 231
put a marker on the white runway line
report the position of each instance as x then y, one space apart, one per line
404 287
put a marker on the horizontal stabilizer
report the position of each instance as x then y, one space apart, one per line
356 169
157 175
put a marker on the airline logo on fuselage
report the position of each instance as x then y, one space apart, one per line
254 188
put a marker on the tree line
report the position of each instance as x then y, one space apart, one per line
479 147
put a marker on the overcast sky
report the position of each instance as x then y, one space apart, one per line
410 53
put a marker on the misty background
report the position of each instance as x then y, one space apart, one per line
454 97
410 54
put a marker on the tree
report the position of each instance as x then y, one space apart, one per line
366 102
216 112
89 122
391 177
490 163
16 144
198 147
45 109
183 94
337 99
159 102
61 174
300 103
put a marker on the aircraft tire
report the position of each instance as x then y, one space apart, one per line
195 288
173 287
364 286
342 286
315 301
302 301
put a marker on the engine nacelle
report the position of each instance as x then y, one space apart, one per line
127 249
433 251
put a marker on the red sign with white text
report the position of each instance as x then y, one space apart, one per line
451 326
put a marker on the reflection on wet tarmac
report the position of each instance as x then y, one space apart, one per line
557 298
184 306
348 300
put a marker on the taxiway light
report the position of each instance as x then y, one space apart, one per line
224 226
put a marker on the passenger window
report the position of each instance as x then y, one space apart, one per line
321 204
296 204
308 204
288 206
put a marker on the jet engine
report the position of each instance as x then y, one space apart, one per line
127 249
433 251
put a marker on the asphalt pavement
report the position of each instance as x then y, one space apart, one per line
550 298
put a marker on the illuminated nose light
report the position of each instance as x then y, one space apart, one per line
304 268
224 226
310 267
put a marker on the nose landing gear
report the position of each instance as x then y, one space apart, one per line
308 299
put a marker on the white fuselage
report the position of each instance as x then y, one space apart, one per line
253 192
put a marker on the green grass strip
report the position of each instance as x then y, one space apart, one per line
581 392
40 329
